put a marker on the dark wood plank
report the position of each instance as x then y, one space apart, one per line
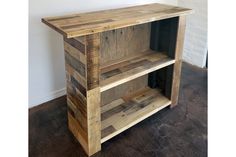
92 54
77 115
78 86
86 24
76 64
108 130
76 44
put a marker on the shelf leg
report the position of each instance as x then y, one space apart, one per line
178 61
83 93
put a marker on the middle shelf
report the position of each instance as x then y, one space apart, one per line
124 71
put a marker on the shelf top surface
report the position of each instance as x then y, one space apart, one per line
93 22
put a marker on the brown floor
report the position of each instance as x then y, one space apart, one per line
177 132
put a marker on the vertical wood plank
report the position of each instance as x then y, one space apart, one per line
178 62
94 121
92 55
93 93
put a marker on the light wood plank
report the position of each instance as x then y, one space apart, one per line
94 121
178 63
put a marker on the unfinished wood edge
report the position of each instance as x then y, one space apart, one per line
94 120
135 122
43 20
121 81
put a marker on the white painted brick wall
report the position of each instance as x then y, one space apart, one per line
195 45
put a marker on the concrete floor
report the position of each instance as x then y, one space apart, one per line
177 132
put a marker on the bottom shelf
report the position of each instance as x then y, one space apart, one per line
127 111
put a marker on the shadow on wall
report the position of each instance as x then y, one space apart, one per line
46 64
56 57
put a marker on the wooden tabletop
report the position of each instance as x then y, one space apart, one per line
88 23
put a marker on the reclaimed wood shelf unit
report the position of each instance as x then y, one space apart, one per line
122 66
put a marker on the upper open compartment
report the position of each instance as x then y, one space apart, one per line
129 53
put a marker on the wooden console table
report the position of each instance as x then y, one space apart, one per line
122 66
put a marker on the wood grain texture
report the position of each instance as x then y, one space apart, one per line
123 44
74 52
100 21
76 44
93 92
94 121
70 71
77 132
92 55
129 110
126 88
76 64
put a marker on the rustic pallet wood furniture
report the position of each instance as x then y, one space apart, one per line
122 66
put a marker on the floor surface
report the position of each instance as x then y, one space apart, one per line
177 132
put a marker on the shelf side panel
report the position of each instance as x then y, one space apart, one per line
75 62
178 62
83 93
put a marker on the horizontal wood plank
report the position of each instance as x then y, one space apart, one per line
74 52
88 23
115 75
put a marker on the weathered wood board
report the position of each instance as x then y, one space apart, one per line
124 44
99 21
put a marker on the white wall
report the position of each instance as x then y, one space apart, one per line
46 59
195 45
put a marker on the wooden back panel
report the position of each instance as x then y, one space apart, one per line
123 44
